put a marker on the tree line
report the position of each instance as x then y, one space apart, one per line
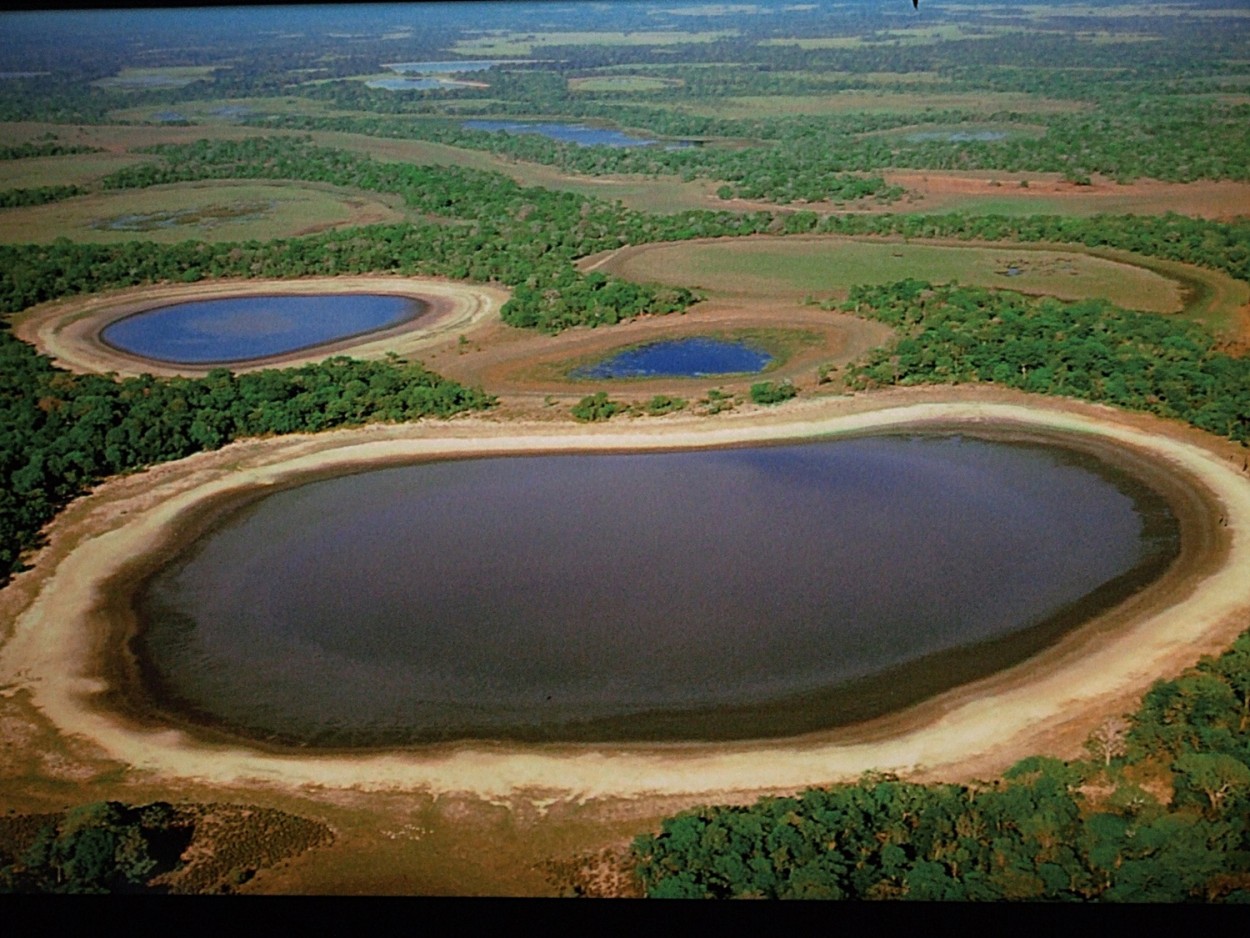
1090 350
1089 830
1159 812
62 433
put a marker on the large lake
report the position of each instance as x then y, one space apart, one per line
243 328
735 593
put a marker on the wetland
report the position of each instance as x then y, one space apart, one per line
243 328
739 593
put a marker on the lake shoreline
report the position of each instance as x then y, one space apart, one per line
69 330
1047 704
149 697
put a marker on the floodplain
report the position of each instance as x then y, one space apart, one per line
1119 127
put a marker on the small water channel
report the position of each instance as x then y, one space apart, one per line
734 593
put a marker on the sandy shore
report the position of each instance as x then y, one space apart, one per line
54 634
69 330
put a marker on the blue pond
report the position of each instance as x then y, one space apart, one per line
960 136
412 84
581 134
251 327
694 357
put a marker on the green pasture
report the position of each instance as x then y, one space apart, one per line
884 102
207 110
907 36
74 170
216 211
825 267
714 9
623 83
503 43
1011 130
780 344
661 194
144 79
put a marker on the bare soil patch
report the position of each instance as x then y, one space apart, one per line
520 366
962 191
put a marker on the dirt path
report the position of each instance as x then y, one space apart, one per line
55 635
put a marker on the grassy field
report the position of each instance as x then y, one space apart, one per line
502 43
623 83
663 194
217 111
884 102
216 211
930 131
143 79
823 267
908 36
77 169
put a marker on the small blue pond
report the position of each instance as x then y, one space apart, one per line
581 134
250 327
694 357
959 136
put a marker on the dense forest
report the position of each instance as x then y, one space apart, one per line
1089 350
1160 812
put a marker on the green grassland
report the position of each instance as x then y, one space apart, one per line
745 107
510 44
142 79
218 211
908 36
623 83
830 266
74 170
208 110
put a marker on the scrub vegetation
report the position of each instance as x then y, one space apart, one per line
1156 814
790 125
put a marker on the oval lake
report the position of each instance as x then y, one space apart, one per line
245 328
691 357
719 594
583 135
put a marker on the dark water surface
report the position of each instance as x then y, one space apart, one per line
691 357
735 593
580 134
248 327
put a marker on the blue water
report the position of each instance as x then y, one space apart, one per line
250 327
694 357
581 134
980 136
413 84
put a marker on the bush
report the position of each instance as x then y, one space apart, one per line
595 407
766 392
